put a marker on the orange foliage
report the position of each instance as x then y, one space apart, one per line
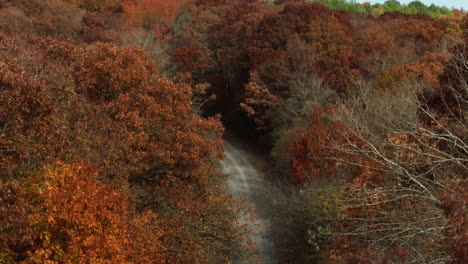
65 215
146 115
430 68
145 232
149 191
108 106
80 219
156 15
378 42
166 149
259 102
416 32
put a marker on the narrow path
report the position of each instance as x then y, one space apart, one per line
245 181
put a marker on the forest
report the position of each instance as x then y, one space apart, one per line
113 114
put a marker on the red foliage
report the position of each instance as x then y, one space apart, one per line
320 146
186 58
156 15
93 28
337 59
419 28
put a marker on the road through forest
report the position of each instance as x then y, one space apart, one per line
245 180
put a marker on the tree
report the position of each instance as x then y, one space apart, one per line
16 233
391 6
312 150
169 151
79 218
258 102
151 153
395 203
63 214
30 133
336 60
95 5
154 15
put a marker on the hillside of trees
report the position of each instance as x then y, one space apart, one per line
112 116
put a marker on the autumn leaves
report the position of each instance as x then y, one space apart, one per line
104 161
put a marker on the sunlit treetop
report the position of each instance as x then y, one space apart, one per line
414 7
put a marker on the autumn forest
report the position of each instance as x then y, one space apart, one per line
113 116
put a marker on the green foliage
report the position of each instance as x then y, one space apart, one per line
391 6
417 7
414 7
350 6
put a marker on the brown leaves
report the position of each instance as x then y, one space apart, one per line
29 131
108 71
259 102
104 111
454 204
164 146
16 234
332 44
95 5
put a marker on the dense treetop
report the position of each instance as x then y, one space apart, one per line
112 115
